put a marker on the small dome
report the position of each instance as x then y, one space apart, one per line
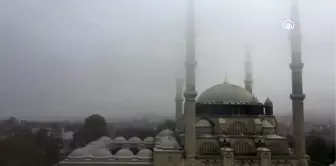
254 101
168 142
225 92
124 153
203 123
79 153
165 132
105 139
101 153
146 153
119 140
134 140
268 102
149 140
94 145
100 143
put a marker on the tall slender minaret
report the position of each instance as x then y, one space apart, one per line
190 92
248 70
297 95
179 99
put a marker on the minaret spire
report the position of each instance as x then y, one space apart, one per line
248 70
190 92
179 99
226 79
297 95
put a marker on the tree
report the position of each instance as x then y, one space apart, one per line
166 124
12 121
49 144
94 127
318 150
21 150
78 139
290 141
332 155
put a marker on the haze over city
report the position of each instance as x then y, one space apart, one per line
121 58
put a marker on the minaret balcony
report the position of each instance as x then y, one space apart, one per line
297 96
190 95
296 66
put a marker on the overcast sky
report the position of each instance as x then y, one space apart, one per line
121 57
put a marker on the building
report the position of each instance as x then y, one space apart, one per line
225 126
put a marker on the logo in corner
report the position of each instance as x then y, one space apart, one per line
288 25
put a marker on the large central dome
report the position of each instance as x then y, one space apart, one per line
225 92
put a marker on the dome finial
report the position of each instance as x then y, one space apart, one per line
254 100
226 79
268 102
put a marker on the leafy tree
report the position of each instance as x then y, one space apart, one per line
318 150
78 139
11 121
94 127
314 163
290 141
21 150
332 155
51 145
166 124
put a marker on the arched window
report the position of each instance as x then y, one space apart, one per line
204 126
237 127
275 148
208 149
242 147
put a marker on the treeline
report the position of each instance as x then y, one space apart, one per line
24 148
320 151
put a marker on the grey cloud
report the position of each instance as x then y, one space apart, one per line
118 58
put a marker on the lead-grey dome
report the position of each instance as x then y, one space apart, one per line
145 153
168 142
165 132
79 153
225 92
101 153
134 140
124 153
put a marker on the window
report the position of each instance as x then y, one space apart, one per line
208 149
242 147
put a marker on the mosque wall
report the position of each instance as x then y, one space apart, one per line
243 146
247 163
283 162
168 159
238 125
207 147
210 162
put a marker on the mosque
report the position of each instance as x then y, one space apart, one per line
225 126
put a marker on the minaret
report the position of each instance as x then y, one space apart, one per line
190 92
297 95
248 70
179 99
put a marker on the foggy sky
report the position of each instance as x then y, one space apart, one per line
120 57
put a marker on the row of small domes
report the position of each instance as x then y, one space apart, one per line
254 101
105 153
148 140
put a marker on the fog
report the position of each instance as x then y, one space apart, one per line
64 58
